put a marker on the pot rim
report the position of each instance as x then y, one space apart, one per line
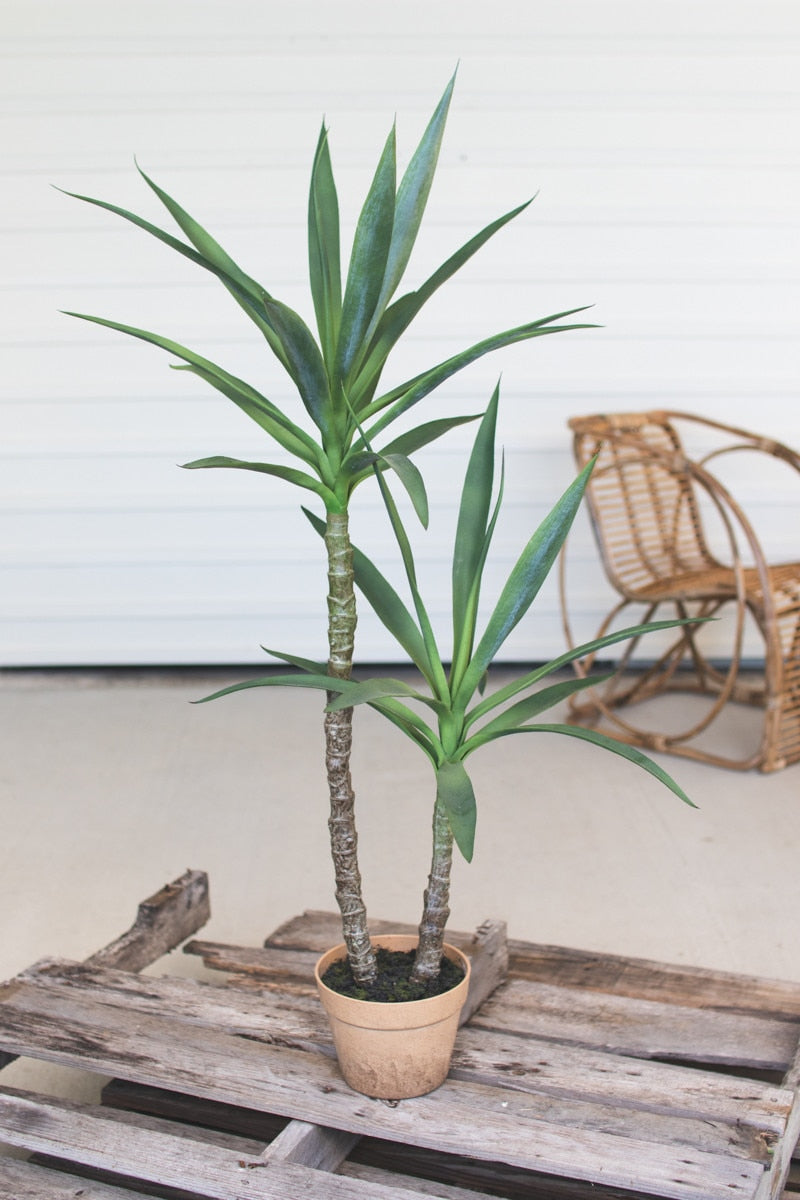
411 939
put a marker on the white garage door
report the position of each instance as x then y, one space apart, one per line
662 138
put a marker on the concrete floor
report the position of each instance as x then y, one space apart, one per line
113 784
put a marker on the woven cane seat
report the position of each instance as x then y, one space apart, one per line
649 504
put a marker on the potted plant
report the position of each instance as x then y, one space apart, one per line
338 379
339 444
403 1048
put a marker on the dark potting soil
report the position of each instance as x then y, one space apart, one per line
393 984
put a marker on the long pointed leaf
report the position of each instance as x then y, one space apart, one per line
462 650
367 691
398 316
454 789
531 706
412 196
412 726
407 394
265 414
290 474
608 743
245 291
473 516
359 463
304 361
323 249
532 677
367 262
411 478
524 582
437 679
223 379
319 683
308 665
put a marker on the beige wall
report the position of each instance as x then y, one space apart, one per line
661 137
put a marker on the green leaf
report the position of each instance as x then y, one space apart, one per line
368 690
398 316
412 196
436 677
245 291
621 748
462 649
304 664
290 474
524 582
386 604
422 435
531 706
208 247
323 249
226 383
407 394
367 262
412 726
454 790
528 680
469 551
265 414
320 683
359 463
411 479
304 362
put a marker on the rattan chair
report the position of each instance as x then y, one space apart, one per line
651 508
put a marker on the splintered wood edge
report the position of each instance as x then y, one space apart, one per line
488 955
163 921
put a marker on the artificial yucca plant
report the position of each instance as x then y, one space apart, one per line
461 718
338 376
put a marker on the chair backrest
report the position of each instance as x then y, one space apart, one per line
641 498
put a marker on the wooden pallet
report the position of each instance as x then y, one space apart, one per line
579 1075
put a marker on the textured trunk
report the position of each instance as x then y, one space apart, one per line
338 742
437 898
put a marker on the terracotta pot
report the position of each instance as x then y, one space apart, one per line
393 1051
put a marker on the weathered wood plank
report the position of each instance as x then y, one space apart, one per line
636 977
647 1028
696 987
614 1022
527 1064
488 955
162 922
87 1137
771 1188
21 1180
514 1127
311 1145
409 1163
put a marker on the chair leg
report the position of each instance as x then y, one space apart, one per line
682 666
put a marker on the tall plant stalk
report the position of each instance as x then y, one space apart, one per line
338 746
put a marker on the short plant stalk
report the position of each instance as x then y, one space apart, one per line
436 908
338 744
